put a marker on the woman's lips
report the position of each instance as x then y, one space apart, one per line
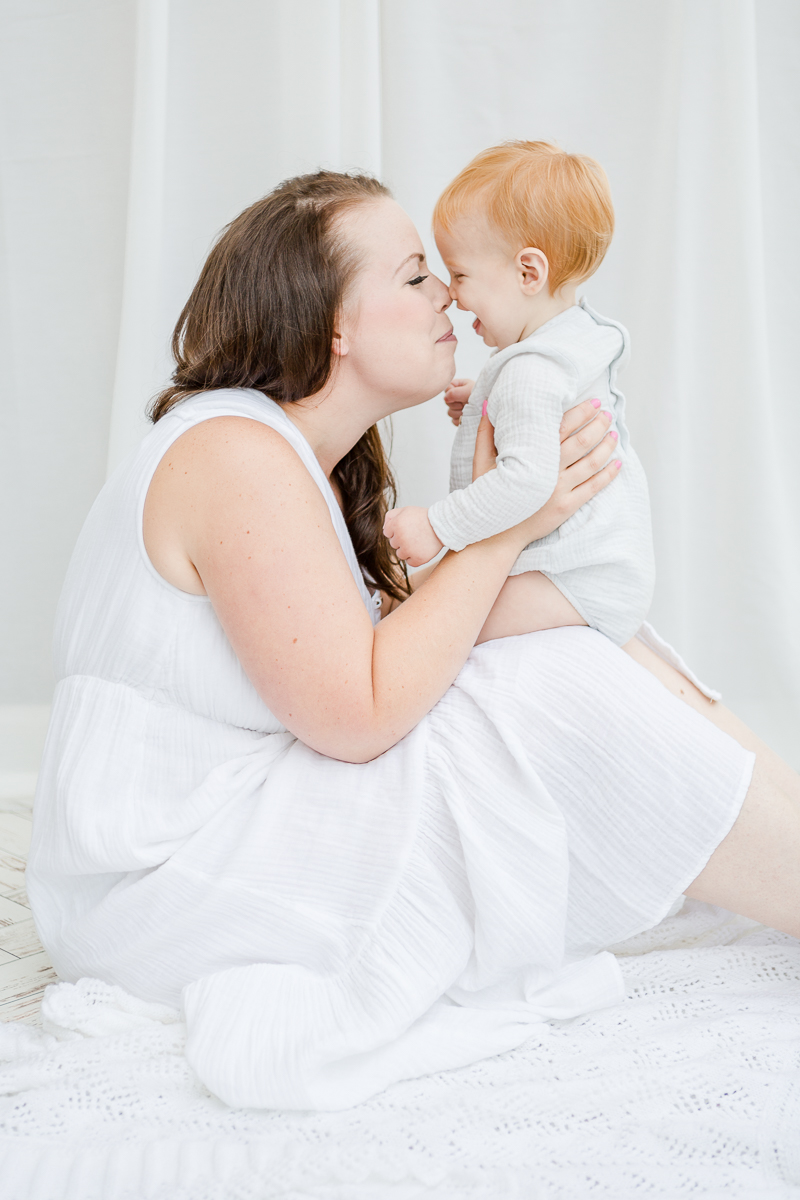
448 337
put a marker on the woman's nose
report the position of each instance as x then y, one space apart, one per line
442 298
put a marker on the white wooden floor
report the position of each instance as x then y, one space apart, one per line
25 969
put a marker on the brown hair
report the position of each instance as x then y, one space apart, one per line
263 315
535 194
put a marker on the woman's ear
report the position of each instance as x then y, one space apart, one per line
340 346
533 270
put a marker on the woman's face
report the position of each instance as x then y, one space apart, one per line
395 331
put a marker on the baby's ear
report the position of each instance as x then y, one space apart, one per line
533 270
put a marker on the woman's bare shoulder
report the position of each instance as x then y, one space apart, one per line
229 440
215 475
236 516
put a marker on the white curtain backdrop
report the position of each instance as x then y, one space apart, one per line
131 132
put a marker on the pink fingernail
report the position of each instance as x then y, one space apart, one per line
605 414
485 406
618 463
614 435
595 403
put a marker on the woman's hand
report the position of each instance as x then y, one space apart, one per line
585 470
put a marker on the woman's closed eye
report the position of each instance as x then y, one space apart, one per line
417 280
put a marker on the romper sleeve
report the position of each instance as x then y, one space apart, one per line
525 406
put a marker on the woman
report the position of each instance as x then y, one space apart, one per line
358 850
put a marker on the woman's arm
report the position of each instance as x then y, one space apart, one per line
233 503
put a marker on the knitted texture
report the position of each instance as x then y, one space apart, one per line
689 1088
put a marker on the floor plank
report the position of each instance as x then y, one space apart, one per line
25 969
23 976
12 870
27 1009
15 833
11 912
21 805
20 939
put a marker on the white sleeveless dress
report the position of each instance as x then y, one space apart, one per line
332 928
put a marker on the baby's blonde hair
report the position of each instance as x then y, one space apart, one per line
535 194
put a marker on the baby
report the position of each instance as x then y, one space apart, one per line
521 226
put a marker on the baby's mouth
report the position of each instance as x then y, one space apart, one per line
476 325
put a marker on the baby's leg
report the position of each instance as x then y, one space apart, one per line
780 772
527 603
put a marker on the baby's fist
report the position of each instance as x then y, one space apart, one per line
456 397
411 534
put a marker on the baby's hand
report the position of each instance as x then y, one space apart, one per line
456 397
411 534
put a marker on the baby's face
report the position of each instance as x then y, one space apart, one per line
484 279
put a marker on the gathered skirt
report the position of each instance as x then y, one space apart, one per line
331 928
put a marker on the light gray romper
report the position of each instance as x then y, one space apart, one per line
602 557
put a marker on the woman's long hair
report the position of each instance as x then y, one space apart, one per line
263 315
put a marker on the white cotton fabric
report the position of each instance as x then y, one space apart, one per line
602 557
690 1088
332 928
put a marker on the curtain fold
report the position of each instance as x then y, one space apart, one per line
133 131
139 366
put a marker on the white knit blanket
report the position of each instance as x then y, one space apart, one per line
691 1088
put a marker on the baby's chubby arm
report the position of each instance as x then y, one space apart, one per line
408 529
525 406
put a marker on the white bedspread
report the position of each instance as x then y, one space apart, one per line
690 1088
